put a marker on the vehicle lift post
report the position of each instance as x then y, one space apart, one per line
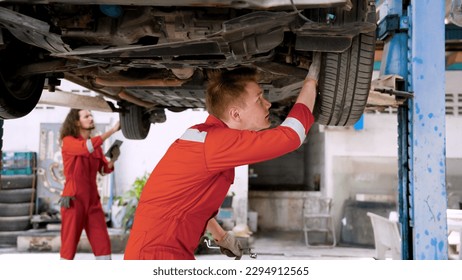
414 47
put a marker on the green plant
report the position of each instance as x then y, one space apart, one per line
130 199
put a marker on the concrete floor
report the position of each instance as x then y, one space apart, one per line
291 246
267 246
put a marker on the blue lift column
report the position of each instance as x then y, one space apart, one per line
427 131
414 49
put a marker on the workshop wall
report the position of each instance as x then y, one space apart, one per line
353 165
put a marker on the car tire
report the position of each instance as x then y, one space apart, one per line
345 82
344 85
134 122
19 95
17 181
15 209
15 223
10 238
17 195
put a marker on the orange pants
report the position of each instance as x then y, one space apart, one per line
78 217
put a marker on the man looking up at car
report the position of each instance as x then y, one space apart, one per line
80 202
188 185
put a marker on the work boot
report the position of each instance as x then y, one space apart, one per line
315 67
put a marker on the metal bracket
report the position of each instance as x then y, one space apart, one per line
390 85
389 24
392 20
397 93
68 99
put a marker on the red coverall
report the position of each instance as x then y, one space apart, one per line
82 159
190 182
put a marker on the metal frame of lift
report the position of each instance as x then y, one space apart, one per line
414 46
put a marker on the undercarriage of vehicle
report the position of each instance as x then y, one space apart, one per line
145 59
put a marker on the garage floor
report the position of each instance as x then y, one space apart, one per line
267 246
291 246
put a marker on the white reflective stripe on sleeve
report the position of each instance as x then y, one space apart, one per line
297 126
90 146
194 135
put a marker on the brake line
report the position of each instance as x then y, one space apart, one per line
299 12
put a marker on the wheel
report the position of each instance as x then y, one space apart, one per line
15 209
344 85
9 238
17 181
19 94
16 195
15 223
345 82
135 122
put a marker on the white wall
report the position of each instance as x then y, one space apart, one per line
454 123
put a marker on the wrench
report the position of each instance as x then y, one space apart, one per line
248 251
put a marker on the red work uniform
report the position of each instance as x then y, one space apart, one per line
82 159
190 182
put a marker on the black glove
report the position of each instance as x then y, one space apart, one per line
115 153
114 150
65 201
230 246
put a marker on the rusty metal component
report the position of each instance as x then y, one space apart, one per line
121 82
68 99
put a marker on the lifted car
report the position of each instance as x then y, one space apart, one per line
148 56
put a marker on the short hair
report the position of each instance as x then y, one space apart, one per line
226 88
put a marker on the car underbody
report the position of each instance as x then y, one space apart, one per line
145 58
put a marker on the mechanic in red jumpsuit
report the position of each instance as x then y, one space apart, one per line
80 202
187 187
